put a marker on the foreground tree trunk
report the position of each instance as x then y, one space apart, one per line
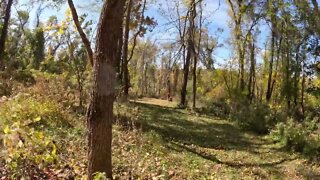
100 112
4 32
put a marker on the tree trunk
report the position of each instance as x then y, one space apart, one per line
4 32
303 89
190 53
287 76
297 70
168 85
175 80
83 36
125 71
194 83
277 64
100 112
145 78
119 56
269 89
241 64
185 79
194 88
251 85
241 53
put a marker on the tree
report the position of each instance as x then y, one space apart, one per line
83 36
240 10
252 73
100 112
37 46
190 51
142 68
133 19
125 71
4 32
274 28
196 57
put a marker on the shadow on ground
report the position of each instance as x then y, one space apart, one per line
176 125
212 139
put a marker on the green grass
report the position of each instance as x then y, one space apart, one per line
192 146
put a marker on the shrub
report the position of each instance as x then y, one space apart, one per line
34 112
5 89
217 108
24 76
10 81
26 150
30 125
298 137
257 118
60 88
51 65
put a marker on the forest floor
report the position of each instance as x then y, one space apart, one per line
186 145
154 140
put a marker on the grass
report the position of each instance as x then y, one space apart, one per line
154 140
192 146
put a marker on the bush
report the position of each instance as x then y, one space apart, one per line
33 112
298 137
30 126
5 89
257 118
51 65
24 76
217 108
26 150
10 81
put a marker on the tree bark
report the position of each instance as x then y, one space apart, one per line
251 84
100 112
195 59
125 71
303 89
194 83
288 85
83 36
168 85
269 88
277 64
119 54
4 32
185 79
175 80
190 53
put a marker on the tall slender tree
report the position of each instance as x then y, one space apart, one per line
273 18
190 51
196 57
125 71
100 112
4 32
83 36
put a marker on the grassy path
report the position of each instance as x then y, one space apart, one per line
192 146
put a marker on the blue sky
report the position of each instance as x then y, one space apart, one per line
216 11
